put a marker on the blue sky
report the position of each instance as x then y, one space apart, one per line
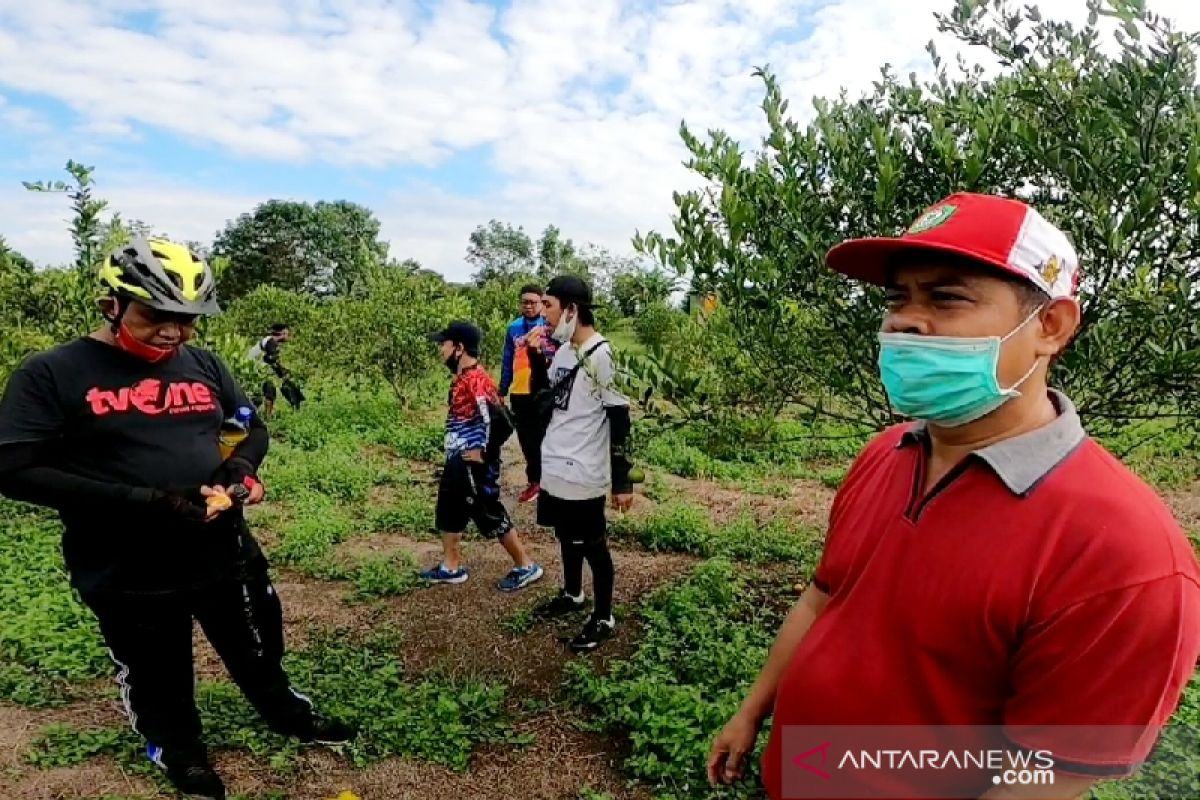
437 114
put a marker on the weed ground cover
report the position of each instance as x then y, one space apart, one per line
349 469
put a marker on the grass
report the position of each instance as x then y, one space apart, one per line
519 621
793 449
48 640
410 513
340 469
703 643
1159 452
432 718
679 527
385 576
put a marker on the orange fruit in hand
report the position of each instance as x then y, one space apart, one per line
219 502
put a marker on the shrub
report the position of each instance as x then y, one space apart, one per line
704 642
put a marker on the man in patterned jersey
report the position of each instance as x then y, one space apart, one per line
470 485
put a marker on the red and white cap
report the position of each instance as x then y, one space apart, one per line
994 231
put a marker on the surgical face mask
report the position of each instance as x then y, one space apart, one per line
946 380
565 328
146 352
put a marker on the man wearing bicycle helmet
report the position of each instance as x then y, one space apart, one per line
118 432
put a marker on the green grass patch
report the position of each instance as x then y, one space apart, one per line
341 469
1159 451
518 622
704 641
432 718
686 528
385 576
787 449
338 412
315 524
48 639
411 513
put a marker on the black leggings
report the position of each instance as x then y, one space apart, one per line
598 557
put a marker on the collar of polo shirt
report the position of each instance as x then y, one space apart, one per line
1022 462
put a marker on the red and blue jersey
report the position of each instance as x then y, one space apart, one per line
468 420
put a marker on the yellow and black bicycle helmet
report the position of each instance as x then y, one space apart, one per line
163 275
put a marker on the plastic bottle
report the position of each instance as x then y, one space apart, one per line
234 430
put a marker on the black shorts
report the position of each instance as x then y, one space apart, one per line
573 520
471 493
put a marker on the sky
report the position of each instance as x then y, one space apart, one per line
437 114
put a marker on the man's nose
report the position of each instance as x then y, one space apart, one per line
907 321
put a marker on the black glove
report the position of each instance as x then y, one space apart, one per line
170 503
232 473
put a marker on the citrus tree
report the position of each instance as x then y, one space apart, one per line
1101 139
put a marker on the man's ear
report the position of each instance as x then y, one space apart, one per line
1059 323
109 306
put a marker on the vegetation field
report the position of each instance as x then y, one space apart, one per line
457 690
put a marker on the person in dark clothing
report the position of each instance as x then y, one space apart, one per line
118 431
520 362
267 351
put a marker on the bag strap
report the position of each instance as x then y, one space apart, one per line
579 363
589 351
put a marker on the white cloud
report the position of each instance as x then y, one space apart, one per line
578 101
19 119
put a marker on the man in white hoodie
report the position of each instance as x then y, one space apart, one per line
583 457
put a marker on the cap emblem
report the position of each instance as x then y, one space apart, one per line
933 218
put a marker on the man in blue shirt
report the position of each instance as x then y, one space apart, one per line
515 383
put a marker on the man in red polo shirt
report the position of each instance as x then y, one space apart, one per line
988 565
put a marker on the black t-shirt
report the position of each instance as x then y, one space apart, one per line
101 413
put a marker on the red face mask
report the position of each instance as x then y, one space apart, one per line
146 352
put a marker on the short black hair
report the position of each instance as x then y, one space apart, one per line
1029 297
531 288
280 327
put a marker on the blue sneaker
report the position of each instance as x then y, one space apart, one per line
440 574
520 577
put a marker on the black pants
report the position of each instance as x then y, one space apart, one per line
530 432
150 638
291 392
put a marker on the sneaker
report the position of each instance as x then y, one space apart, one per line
440 574
594 634
559 606
189 772
531 493
520 577
331 732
